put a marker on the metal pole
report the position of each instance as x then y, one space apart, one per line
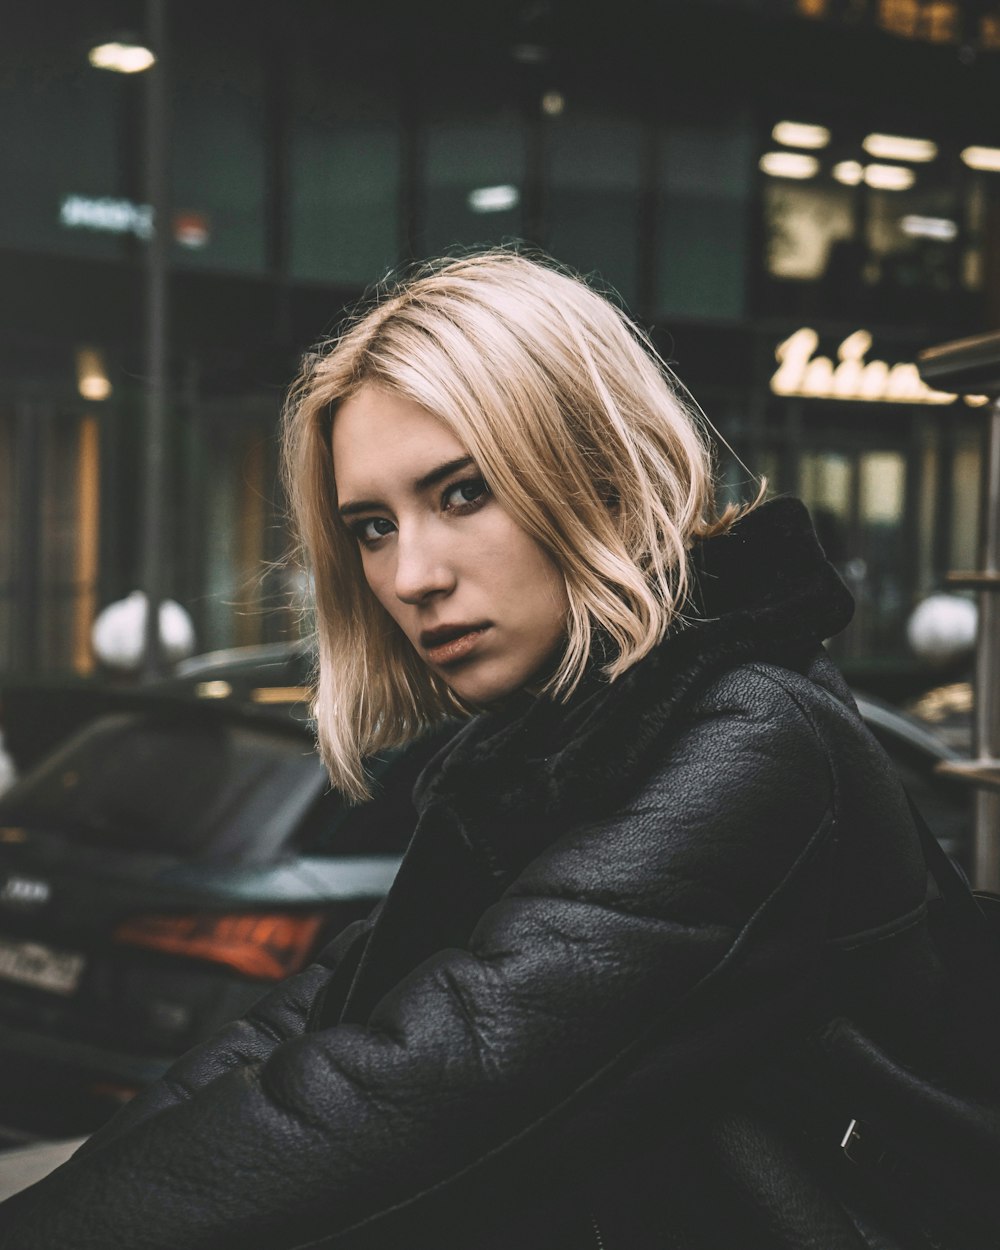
156 328
32 427
986 743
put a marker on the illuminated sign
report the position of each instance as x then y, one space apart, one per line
109 216
83 212
800 372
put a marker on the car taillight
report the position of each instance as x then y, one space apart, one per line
267 945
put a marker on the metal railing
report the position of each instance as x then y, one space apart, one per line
972 366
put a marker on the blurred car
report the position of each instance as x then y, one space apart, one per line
916 744
37 713
158 872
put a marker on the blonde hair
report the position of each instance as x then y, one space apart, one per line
580 432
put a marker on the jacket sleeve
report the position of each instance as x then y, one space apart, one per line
277 1017
709 885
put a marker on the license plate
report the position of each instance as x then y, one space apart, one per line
31 963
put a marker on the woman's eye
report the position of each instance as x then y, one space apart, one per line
465 495
372 530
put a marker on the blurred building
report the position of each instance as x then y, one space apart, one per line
811 180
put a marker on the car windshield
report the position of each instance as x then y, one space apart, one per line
182 785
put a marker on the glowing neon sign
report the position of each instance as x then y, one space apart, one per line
800 372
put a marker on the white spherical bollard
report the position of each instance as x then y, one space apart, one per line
942 629
119 632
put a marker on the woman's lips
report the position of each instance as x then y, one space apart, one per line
456 648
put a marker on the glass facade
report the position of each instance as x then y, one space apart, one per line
313 151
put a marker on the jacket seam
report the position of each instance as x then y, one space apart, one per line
810 720
883 932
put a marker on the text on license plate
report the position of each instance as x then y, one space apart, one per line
31 963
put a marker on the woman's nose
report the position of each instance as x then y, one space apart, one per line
422 569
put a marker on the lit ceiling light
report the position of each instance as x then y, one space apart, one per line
494 199
123 58
850 173
899 148
553 103
889 177
91 377
789 165
800 135
982 158
919 227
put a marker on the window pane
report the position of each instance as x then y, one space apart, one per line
825 487
475 175
804 224
218 173
882 594
61 538
593 197
965 486
60 141
345 200
705 185
115 784
909 264
880 233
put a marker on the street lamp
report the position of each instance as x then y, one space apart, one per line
127 54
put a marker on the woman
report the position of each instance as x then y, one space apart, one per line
659 853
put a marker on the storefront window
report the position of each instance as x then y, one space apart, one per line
858 503
876 226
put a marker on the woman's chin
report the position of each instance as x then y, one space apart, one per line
482 684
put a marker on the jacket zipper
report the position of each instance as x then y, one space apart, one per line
598 1238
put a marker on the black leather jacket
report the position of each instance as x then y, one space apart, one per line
614 916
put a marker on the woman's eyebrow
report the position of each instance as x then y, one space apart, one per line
421 484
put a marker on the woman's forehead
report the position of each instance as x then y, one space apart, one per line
380 438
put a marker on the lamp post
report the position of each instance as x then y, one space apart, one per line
127 55
156 324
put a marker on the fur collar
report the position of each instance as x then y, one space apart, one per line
765 590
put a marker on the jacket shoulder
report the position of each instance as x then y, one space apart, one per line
881 873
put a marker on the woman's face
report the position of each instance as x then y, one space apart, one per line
481 602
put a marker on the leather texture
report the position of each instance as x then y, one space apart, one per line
613 913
